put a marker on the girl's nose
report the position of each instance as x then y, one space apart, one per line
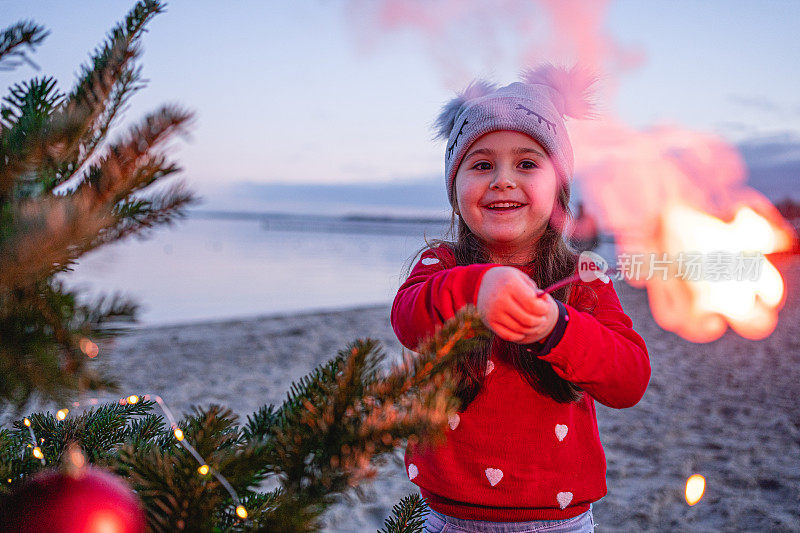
502 180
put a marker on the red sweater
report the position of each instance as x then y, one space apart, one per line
514 454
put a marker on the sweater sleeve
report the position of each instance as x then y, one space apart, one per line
433 293
601 353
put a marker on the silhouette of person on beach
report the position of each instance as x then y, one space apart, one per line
584 235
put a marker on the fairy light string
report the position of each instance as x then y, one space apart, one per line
241 512
37 452
204 469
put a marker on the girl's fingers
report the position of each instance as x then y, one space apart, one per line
507 334
516 317
526 300
531 303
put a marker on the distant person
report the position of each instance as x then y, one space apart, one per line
523 452
584 233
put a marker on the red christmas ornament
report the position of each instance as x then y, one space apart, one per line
89 500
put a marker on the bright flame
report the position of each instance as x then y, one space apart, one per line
695 488
203 469
241 512
133 399
734 283
178 433
27 422
61 414
37 452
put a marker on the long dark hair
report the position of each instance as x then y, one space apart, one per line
553 260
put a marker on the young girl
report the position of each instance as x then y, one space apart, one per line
523 453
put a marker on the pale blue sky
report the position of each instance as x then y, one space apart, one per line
286 92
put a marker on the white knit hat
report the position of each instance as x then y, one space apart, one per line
536 106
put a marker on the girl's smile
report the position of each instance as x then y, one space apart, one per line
505 190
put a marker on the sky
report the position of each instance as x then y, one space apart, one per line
321 92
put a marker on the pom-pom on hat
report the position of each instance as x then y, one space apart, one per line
535 106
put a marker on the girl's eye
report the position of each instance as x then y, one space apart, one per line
478 165
528 164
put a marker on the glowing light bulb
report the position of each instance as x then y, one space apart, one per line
132 399
76 458
61 414
241 512
37 452
178 433
203 469
27 422
695 488
89 348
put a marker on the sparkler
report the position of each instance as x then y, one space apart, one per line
591 266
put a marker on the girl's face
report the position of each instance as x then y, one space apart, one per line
505 190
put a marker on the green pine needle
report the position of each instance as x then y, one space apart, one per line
408 515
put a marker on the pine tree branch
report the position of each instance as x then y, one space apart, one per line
258 504
408 516
41 323
14 38
98 431
100 319
107 63
335 424
174 494
343 416
260 423
140 216
60 147
52 231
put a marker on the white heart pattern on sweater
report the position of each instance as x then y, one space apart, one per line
561 431
494 475
489 367
429 261
564 498
453 420
412 471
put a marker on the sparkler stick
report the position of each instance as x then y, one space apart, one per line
571 279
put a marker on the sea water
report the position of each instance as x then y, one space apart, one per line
216 266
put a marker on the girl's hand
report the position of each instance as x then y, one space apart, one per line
509 306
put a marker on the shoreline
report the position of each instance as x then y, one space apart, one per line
258 317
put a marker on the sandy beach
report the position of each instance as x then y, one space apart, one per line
727 410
